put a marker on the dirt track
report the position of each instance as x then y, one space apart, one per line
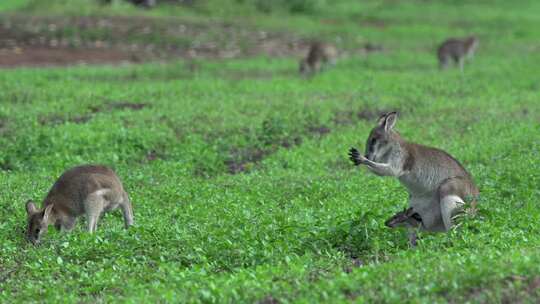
33 56
45 41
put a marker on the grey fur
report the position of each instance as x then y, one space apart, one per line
457 50
438 184
319 55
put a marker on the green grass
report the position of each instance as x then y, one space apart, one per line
293 224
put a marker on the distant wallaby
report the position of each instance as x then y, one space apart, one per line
438 184
144 3
456 49
319 55
90 190
408 218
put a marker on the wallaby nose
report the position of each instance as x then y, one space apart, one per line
32 240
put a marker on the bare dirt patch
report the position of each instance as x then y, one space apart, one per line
245 159
370 114
127 105
268 300
41 56
351 116
371 47
514 289
39 41
374 22
134 106
58 120
319 130
242 160
253 74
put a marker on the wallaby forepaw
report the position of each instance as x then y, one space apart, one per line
354 156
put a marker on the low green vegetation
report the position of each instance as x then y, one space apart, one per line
238 169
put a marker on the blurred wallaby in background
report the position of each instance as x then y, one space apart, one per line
458 50
152 3
320 55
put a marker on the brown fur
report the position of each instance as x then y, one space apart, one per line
84 190
423 155
456 49
319 55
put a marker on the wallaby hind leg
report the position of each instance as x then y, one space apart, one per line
92 222
443 63
93 207
316 67
331 62
450 205
461 62
127 210
451 198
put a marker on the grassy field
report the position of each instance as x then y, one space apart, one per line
238 169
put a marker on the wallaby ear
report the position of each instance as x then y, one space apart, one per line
47 213
381 120
390 121
31 207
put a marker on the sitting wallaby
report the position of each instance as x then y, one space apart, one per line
408 218
438 184
457 49
90 190
319 55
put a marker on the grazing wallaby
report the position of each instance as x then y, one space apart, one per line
438 184
457 49
408 218
319 55
90 190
